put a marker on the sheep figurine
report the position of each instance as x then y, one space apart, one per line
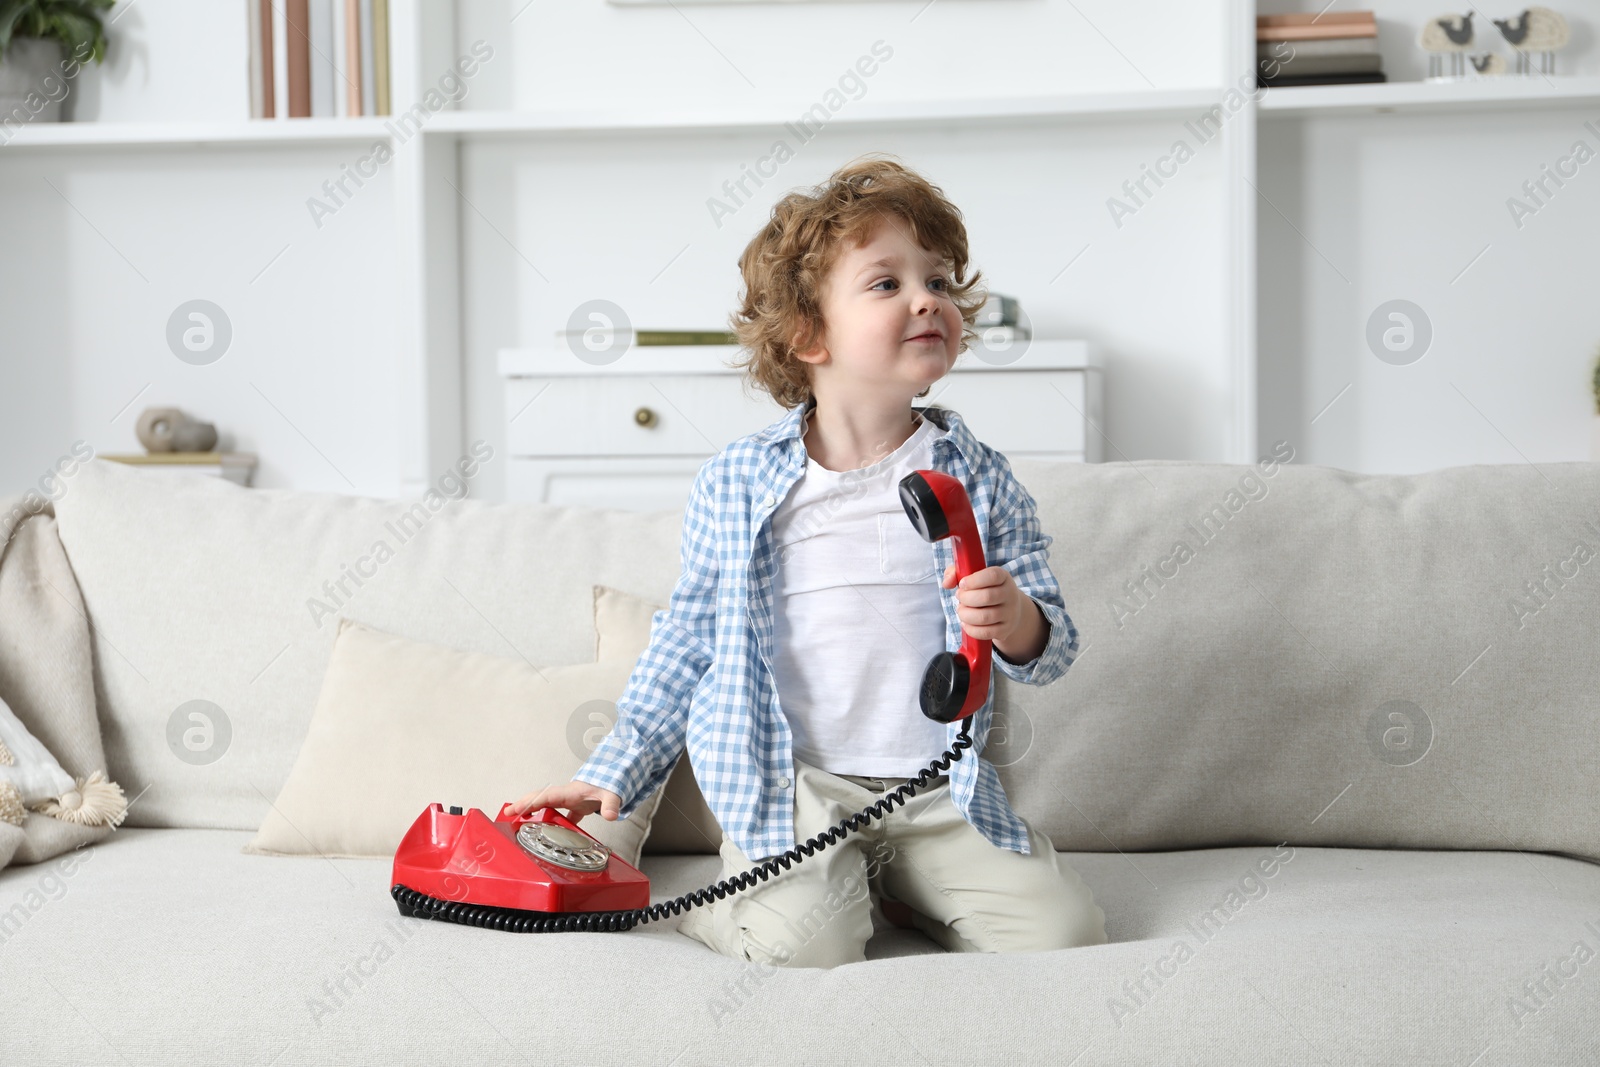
1488 63
1538 30
1447 35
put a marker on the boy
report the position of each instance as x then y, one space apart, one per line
790 658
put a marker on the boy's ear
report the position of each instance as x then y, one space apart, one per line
814 354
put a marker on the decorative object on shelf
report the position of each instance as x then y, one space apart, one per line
1003 330
194 436
170 430
175 442
42 44
999 310
1312 49
1488 64
1447 35
1538 31
1594 422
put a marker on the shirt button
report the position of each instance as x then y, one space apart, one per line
770 500
783 783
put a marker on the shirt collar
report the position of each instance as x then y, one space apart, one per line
786 432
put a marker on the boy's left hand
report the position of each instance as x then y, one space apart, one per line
991 604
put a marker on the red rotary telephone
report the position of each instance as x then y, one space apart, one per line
540 872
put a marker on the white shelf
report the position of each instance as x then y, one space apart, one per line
553 362
1501 93
185 134
1164 103
1002 111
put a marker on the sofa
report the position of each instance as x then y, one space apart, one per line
1327 758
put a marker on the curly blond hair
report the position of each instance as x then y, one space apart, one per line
785 264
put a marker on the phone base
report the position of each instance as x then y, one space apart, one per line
416 905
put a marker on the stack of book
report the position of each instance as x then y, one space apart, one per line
1317 49
236 467
318 58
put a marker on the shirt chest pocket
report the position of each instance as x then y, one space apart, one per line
903 556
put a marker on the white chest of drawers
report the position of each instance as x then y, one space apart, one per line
633 433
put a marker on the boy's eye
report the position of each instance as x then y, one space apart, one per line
938 282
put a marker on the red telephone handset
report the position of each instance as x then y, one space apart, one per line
955 684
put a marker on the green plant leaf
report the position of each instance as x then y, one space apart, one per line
74 24
11 12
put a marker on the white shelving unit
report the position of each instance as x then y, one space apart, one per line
1481 95
449 125
427 180
427 175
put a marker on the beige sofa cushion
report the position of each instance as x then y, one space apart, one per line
1319 656
684 822
401 724
214 609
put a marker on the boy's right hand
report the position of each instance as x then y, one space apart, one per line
578 798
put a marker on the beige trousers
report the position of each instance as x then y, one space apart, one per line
965 893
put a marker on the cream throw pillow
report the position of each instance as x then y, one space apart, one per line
684 823
28 772
400 724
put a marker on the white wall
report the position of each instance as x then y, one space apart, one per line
694 54
103 246
170 59
1413 207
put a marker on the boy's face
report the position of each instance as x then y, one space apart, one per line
889 325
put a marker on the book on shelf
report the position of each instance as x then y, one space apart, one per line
369 93
380 56
236 467
1311 27
297 13
649 338
323 72
258 30
1289 66
351 51
1323 79
279 58
1327 46
1002 336
318 58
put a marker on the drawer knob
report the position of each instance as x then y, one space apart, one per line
645 417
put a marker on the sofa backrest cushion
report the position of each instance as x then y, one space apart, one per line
1283 652
214 608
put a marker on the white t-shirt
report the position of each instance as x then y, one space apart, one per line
857 617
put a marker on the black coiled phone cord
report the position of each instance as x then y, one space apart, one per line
515 920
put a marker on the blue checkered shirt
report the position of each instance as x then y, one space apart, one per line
706 679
